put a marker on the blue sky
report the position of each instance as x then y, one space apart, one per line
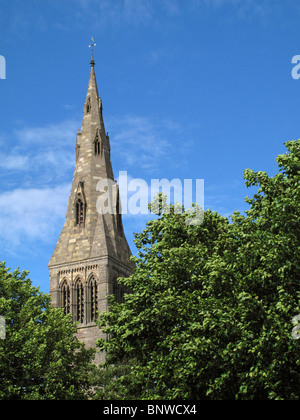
197 89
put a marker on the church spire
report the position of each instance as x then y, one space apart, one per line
93 141
92 251
86 224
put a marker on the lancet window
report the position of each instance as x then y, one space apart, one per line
80 205
66 305
93 288
97 144
79 212
88 105
79 301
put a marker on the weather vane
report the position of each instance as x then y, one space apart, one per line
92 45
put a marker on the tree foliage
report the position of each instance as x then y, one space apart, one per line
40 357
113 382
210 309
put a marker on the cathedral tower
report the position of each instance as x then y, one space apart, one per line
92 251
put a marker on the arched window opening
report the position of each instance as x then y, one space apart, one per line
80 206
79 301
94 298
66 298
88 105
79 212
97 147
97 144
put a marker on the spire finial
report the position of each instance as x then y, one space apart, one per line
92 45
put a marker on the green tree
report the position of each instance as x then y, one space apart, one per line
113 382
209 316
267 263
40 357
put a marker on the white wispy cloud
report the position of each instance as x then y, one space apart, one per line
117 13
59 134
243 9
36 166
145 12
32 214
37 170
146 142
105 14
14 162
44 153
48 152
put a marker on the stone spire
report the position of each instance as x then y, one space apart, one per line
92 251
93 137
86 233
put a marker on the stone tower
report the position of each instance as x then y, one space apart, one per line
92 251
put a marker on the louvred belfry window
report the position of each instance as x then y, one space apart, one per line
79 301
79 212
94 298
80 205
66 297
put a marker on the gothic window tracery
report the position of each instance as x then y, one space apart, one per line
97 144
79 212
88 105
79 301
66 304
80 205
94 298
